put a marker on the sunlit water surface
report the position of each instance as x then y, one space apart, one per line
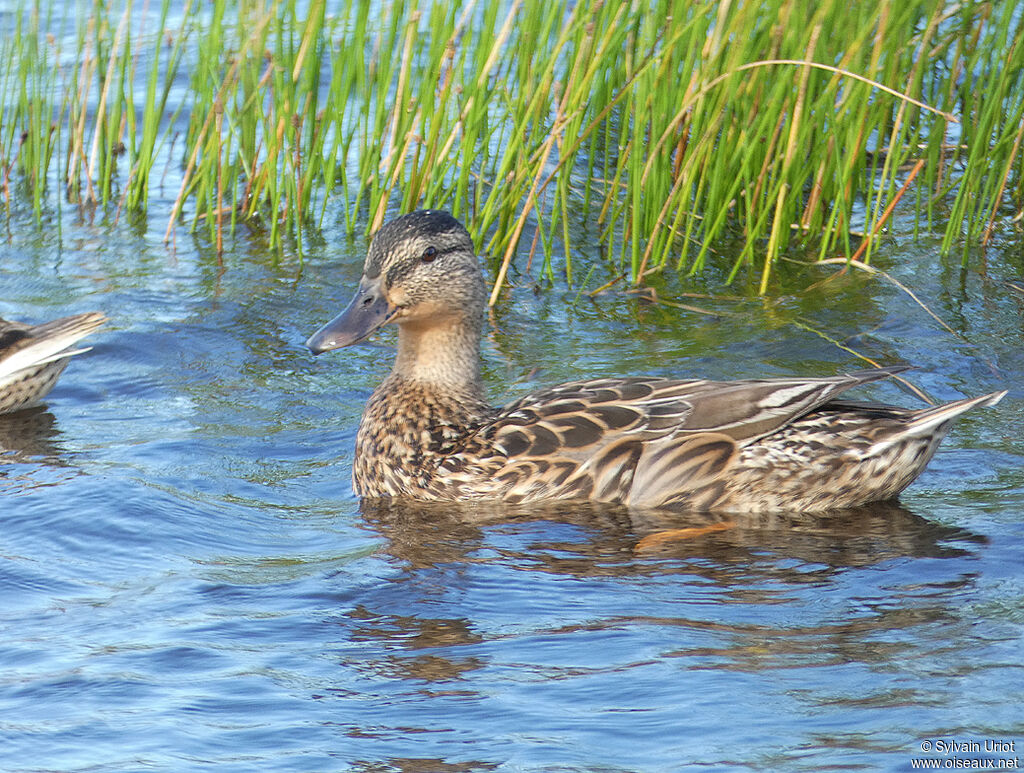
188 582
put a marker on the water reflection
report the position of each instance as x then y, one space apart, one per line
30 454
572 610
27 434
417 635
611 539
410 765
761 562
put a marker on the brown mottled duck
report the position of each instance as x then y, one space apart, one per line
33 356
428 432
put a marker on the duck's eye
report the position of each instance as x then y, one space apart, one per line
429 254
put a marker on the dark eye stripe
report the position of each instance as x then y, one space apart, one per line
436 252
401 270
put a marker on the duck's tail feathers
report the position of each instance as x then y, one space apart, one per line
933 419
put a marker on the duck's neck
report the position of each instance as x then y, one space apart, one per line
442 355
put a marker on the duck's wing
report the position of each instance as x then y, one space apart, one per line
637 440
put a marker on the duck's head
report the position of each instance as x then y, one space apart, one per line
420 271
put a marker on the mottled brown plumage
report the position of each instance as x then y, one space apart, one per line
33 356
757 445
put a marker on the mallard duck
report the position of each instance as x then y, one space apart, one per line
428 432
33 356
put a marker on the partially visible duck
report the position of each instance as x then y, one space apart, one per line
428 433
33 356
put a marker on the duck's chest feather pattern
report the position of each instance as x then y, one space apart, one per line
406 431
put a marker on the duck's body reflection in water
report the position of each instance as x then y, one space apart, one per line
558 595
31 454
29 434
422 534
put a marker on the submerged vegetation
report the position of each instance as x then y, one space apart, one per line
664 128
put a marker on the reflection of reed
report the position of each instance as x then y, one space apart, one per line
611 539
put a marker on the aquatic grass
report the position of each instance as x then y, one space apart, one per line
148 126
28 78
667 130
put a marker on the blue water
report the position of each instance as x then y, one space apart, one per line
188 582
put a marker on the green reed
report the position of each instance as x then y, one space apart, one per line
665 129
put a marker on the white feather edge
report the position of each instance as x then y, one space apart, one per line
41 353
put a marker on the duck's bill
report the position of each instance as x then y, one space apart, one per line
367 311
